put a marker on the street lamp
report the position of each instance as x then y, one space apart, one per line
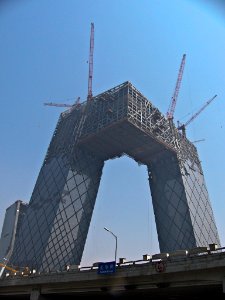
115 238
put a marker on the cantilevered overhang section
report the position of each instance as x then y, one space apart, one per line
123 137
122 120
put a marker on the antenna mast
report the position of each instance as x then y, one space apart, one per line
90 73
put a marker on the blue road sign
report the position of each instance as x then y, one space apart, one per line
107 267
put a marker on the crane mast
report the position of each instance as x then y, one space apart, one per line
90 77
173 102
90 73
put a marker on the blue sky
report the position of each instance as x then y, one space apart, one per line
43 57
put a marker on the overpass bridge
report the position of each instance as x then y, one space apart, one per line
162 276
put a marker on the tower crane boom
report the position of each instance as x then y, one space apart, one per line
183 126
200 110
77 103
197 141
90 73
173 102
58 104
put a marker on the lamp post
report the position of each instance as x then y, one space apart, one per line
115 238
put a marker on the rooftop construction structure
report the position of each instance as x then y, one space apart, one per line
119 121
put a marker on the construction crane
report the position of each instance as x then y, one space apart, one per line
58 104
90 76
183 126
25 270
173 102
8 268
90 72
76 104
197 141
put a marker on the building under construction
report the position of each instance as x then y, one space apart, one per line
120 121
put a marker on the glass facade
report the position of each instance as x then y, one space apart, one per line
183 214
116 122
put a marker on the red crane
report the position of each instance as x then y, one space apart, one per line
90 73
183 126
90 76
173 102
